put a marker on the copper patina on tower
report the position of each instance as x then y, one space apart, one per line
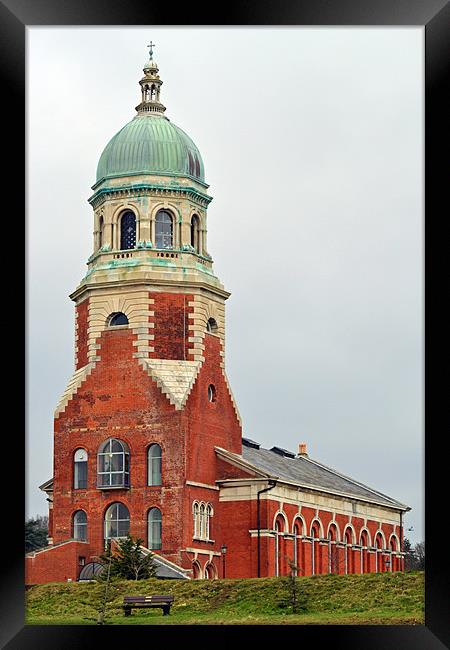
147 435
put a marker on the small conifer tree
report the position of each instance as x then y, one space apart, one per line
128 561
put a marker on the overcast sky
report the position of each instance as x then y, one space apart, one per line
312 140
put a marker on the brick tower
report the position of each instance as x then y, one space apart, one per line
136 428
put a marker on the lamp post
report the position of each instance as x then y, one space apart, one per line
387 563
223 550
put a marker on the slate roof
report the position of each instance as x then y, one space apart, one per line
307 472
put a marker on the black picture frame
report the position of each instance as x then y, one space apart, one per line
15 16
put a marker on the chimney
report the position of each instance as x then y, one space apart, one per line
302 449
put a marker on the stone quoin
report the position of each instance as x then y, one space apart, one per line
147 435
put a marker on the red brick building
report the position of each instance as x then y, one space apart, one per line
147 435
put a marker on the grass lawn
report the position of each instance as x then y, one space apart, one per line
372 599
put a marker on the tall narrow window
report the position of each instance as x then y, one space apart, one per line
154 529
163 230
208 514
100 232
154 465
80 458
202 521
196 513
117 521
195 233
113 464
80 526
127 230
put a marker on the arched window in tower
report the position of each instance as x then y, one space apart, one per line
80 526
117 521
164 230
154 529
195 233
127 230
80 459
154 465
113 464
211 326
100 232
116 319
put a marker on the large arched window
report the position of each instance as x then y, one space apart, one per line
80 526
349 568
315 548
80 459
298 560
279 539
379 554
154 529
333 559
195 233
117 521
113 464
127 230
364 542
164 230
154 465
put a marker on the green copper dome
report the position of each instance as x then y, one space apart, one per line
150 144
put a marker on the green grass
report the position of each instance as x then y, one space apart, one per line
389 598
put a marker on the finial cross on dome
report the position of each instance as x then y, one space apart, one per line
151 46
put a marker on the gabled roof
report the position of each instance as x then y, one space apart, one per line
305 472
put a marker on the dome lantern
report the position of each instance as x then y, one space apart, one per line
150 88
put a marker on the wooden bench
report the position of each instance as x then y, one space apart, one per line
131 602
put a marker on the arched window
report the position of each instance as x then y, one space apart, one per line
196 570
297 549
364 542
127 230
113 464
348 552
80 526
195 233
208 515
211 326
333 561
154 465
279 546
100 232
117 521
202 521
315 537
118 318
210 572
379 554
164 230
154 529
211 393
80 458
196 513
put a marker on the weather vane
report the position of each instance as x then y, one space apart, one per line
151 45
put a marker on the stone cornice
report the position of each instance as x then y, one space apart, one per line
185 286
144 189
